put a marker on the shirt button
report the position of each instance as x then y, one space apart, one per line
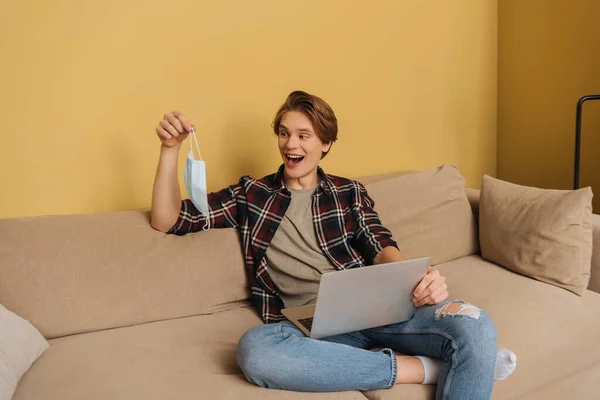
272 230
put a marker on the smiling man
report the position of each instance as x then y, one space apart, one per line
300 223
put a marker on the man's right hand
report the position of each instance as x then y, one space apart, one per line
173 129
166 195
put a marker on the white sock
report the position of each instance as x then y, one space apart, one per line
506 362
432 367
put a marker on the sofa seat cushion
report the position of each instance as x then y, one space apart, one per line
187 358
553 333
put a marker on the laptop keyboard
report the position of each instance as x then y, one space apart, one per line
306 322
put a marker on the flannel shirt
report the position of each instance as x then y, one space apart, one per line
347 228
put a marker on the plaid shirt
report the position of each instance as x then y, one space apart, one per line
347 228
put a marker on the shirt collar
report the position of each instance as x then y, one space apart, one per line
325 184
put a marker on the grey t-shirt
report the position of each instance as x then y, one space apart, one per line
294 259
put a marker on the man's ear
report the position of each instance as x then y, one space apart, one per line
326 147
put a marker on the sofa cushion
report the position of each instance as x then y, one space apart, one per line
20 346
368 179
428 213
541 233
195 356
553 333
187 358
79 273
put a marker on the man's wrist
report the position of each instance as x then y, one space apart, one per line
389 254
173 149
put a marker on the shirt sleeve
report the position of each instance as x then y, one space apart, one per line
371 236
223 212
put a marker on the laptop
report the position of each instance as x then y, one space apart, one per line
361 298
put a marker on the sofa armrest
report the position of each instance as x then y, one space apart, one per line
595 272
473 196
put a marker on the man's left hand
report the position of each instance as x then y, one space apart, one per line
431 290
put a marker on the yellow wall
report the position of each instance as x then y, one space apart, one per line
84 84
549 57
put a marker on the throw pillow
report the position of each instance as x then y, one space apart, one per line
428 213
20 346
541 233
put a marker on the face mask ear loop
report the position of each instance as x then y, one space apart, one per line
197 147
207 224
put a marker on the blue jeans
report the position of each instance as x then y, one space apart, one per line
280 356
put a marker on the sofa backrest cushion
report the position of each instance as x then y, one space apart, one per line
428 213
77 273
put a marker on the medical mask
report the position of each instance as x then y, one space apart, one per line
194 177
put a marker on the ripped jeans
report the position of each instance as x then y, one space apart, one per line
280 356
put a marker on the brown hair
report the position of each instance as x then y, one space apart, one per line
316 109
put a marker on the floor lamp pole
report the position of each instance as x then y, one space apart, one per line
578 135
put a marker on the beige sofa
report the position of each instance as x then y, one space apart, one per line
132 313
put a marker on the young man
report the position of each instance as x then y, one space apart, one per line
296 225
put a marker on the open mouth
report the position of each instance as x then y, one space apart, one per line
294 159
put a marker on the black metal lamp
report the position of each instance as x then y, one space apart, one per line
578 135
